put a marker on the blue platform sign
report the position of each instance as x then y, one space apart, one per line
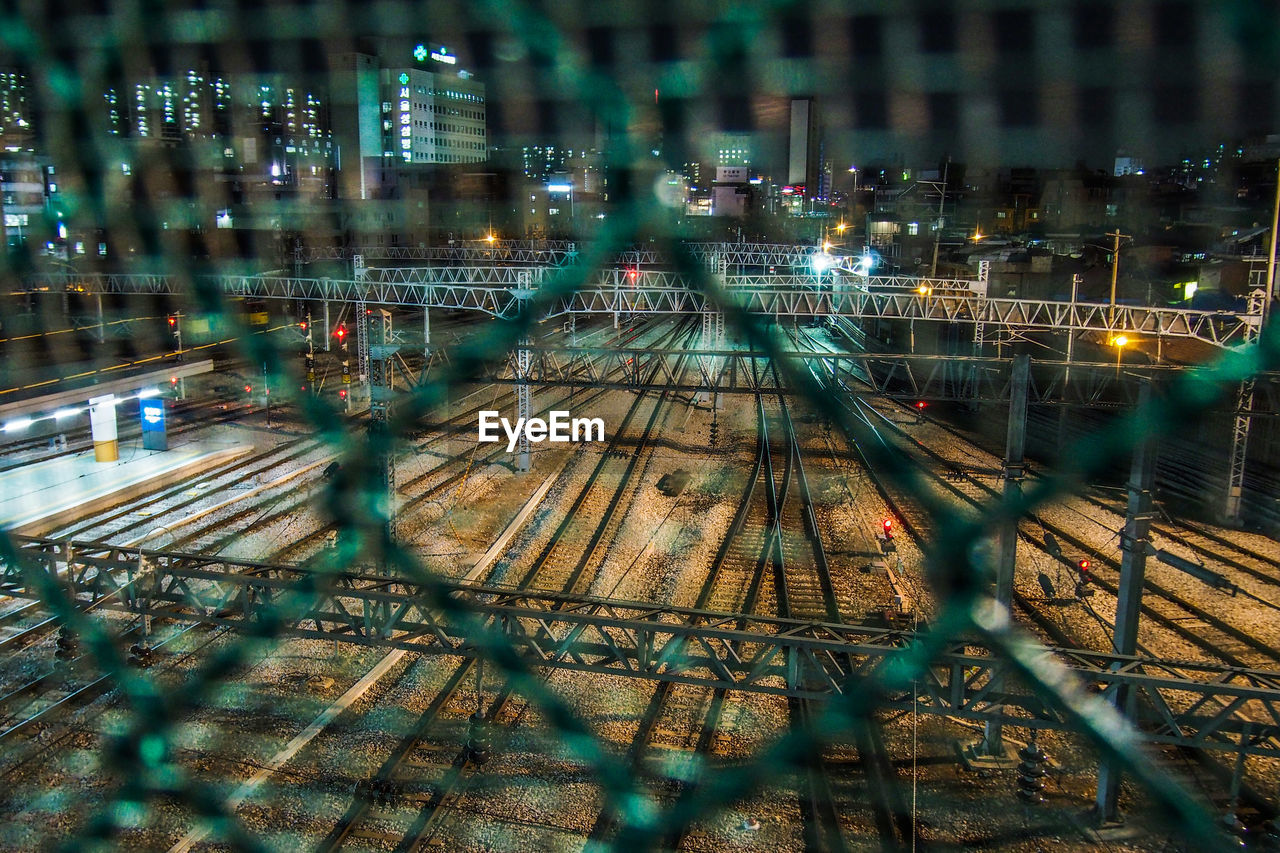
154 436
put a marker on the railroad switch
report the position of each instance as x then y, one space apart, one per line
141 655
1031 772
379 792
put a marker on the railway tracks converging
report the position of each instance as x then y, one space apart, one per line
772 558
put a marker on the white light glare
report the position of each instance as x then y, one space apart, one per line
148 392
864 265
63 414
821 262
18 424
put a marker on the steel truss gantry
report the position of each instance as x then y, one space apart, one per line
934 378
560 252
1181 703
504 291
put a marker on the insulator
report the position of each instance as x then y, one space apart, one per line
477 739
1235 828
1031 772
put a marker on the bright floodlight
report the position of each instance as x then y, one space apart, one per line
1120 340
863 266
17 424
821 262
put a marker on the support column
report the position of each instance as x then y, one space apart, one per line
102 424
362 341
712 339
102 327
328 329
381 355
1133 567
1257 309
1015 443
426 332
1066 372
524 405
1239 450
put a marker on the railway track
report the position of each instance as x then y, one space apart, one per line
436 788
734 582
1168 608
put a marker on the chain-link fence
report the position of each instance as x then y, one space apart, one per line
152 157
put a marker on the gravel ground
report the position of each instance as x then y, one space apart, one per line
537 794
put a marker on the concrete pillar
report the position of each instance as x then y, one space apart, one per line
102 423
102 328
426 331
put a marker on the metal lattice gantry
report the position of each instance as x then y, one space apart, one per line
503 292
760 256
1203 706
906 377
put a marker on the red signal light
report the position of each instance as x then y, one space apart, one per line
920 405
633 274
173 321
342 393
887 524
173 380
1083 565
303 325
248 389
341 332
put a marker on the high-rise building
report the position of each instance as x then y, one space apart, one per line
803 158
16 128
733 149
27 188
432 117
390 112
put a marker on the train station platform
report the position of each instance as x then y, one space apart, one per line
38 497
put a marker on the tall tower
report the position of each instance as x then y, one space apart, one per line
803 162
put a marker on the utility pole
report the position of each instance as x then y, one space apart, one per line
1134 545
1271 255
310 359
937 229
1115 268
1014 469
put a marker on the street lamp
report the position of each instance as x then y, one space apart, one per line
1119 342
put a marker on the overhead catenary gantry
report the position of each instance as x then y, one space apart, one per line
1198 705
559 252
504 291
